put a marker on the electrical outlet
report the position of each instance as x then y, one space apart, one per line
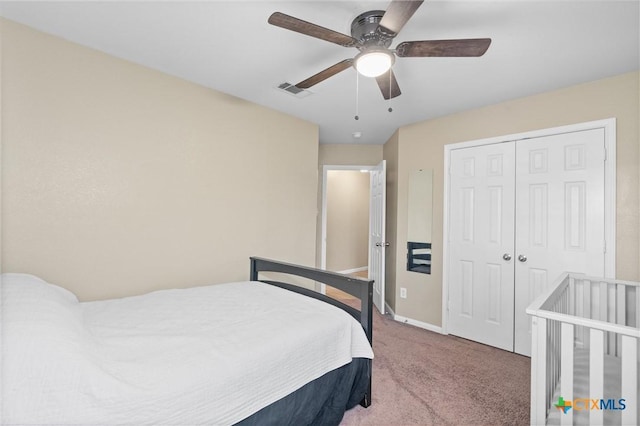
403 293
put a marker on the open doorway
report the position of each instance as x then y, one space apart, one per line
345 218
353 223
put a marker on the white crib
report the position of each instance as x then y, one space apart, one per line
585 346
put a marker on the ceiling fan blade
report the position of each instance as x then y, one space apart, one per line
325 74
307 28
442 48
388 85
397 15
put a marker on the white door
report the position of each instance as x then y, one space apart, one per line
377 243
481 233
560 216
521 213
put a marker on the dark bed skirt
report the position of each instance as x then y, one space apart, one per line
321 402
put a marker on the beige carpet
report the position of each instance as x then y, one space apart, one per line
425 378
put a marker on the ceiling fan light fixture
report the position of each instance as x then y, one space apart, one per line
373 63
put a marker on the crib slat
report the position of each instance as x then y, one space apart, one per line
588 288
571 296
637 313
612 349
629 389
554 353
602 302
596 373
539 375
566 367
577 308
621 302
637 309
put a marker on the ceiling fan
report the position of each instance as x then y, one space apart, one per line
372 33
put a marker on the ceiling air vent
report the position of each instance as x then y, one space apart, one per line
292 89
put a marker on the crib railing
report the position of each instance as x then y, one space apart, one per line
597 315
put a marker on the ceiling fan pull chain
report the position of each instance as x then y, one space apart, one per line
390 98
357 93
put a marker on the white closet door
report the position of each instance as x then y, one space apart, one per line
559 216
377 230
481 244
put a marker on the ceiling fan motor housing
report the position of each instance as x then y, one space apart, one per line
365 29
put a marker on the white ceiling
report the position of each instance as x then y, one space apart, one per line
227 45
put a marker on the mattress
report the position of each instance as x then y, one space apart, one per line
205 355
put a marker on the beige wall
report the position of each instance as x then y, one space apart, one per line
117 179
421 145
349 155
347 220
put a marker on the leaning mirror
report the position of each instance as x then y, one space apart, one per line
419 221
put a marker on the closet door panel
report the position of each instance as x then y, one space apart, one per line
559 216
481 233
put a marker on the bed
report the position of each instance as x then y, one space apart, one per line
261 352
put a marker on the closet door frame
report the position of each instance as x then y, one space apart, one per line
609 126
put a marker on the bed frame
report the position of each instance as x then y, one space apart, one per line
359 288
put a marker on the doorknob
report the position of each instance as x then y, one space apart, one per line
522 258
506 256
385 244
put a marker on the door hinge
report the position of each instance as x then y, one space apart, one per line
604 246
605 153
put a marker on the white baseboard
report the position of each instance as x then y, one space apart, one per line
413 322
388 310
420 324
351 271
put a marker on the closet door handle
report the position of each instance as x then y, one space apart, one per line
522 258
506 256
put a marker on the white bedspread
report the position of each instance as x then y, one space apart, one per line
206 355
